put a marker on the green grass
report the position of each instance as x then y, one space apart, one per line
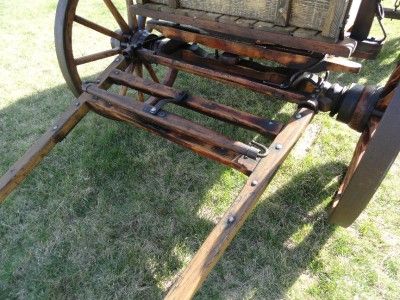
114 212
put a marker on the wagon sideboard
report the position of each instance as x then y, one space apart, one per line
320 17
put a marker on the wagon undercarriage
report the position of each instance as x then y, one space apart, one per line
300 78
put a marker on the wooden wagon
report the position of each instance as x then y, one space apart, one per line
284 48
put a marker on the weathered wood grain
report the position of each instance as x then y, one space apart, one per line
229 225
213 109
335 18
343 48
322 15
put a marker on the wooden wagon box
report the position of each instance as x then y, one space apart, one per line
302 18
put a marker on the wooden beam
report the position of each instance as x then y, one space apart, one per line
98 28
265 89
283 13
171 122
342 48
229 225
201 140
20 170
201 105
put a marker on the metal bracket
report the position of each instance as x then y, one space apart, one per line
157 109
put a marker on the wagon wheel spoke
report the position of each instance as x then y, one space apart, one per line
151 72
98 28
168 81
124 89
142 22
117 16
97 56
139 73
132 20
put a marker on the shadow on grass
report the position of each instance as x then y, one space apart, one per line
279 242
114 212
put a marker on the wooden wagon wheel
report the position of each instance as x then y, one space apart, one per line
66 18
375 152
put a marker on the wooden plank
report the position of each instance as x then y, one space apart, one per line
309 14
335 18
227 158
256 9
171 122
229 225
219 111
245 22
173 3
247 50
343 48
283 12
265 89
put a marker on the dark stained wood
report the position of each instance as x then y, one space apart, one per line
169 122
151 72
98 28
229 225
227 158
132 20
243 68
199 104
390 13
334 19
222 77
139 72
124 89
388 92
342 48
97 56
367 49
117 16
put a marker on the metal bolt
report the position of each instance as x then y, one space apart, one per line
117 59
116 72
77 104
153 110
299 116
254 183
55 127
270 123
97 81
278 146
231 219
281 10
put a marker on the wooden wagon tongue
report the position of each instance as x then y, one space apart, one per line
296 80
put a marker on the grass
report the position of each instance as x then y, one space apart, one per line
114 212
